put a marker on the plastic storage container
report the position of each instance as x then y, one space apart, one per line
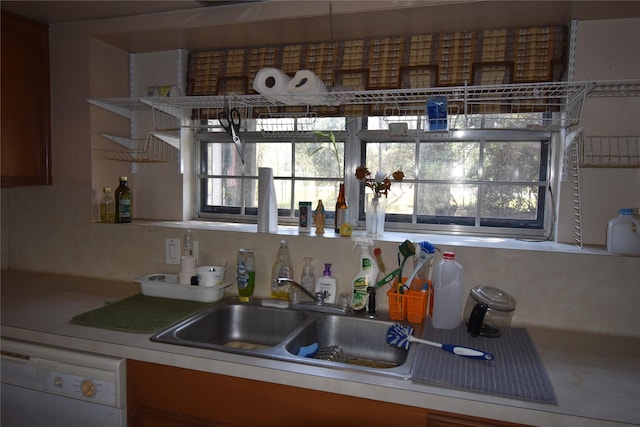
448 292
623 234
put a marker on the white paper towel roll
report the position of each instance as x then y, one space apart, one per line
267 204
271 81
306 81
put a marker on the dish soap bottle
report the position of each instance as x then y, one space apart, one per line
448 289
327 284
367 274
282 269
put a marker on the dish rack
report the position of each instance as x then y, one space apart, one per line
609 151
155 148
583 152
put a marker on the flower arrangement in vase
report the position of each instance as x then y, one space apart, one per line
380 184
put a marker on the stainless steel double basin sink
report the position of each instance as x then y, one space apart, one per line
344 341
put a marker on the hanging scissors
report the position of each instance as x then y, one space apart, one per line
230 121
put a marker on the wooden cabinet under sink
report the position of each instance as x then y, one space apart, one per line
164 396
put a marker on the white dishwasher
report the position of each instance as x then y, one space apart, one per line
51 386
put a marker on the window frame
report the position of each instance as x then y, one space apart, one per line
355 139
538 228
244 214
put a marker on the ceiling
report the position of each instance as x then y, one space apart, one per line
228 24
54 12
59 11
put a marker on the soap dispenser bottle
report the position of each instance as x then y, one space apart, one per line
327 284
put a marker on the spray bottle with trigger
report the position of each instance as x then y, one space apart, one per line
367 274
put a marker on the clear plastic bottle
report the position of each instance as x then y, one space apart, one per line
448 286
307 279
282 268
107 208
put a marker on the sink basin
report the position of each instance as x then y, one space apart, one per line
274 333
241 326
362 340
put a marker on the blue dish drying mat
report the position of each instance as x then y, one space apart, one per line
516 372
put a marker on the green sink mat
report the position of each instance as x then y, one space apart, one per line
139 314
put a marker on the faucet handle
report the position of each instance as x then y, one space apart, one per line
321 296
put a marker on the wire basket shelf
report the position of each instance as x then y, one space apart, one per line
287 125
155 148
610 151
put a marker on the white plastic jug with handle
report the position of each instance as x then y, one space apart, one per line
448 288
623 234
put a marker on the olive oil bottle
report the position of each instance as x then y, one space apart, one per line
124 202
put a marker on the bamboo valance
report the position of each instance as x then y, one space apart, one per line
520 55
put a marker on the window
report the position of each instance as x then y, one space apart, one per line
473 181
306 168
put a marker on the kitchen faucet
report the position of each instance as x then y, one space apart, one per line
318 303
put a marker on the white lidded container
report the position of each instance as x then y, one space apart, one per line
448 292
623 234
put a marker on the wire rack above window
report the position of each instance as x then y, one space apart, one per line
514 106
478 106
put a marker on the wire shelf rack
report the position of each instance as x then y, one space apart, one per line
546 106
610 151
283 125
155 148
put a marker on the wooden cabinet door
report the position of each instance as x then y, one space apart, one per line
442 419
164 396
160 395
25 135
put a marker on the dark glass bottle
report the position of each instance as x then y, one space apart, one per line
341 209
124 202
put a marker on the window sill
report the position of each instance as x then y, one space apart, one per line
391 236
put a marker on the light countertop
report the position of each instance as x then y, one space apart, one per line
595 377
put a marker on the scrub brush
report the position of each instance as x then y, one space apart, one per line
401 336
426 252
407 249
